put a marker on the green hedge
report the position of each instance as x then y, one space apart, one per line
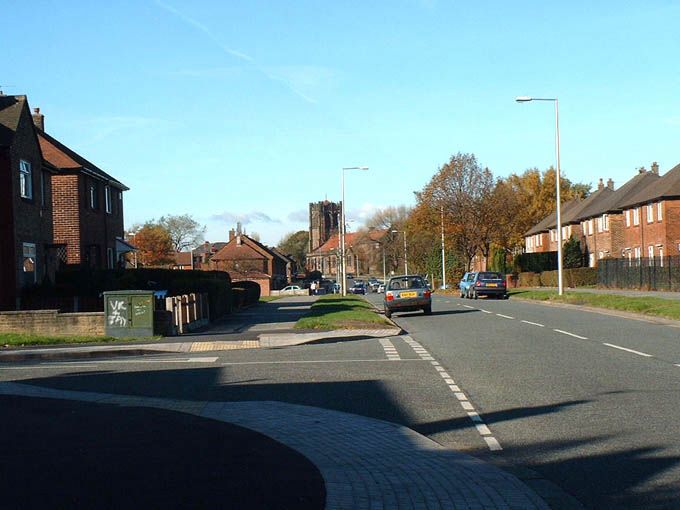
529 279
85 282
577 277
245 293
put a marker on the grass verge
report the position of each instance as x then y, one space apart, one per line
657 307
266 299
22 339
338 312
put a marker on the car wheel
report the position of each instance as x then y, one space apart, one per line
388 313
462 294
428 310
474 295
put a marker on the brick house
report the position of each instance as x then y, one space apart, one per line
87 204
360 254
244 258
651 219
26 255
602 224
543 236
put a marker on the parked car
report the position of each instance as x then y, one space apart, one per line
373 284
465 282
407 293
291 289
358 288
381 288
488 283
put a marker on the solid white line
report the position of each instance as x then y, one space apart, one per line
493 444
534 324
629 350
570 334
505 316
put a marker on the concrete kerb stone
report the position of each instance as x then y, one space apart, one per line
365 463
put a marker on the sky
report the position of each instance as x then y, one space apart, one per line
248 111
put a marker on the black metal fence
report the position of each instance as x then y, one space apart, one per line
654 273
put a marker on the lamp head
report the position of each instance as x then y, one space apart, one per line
523 99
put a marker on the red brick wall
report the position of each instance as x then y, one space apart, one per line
66 198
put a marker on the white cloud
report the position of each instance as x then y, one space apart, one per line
244 219
301 215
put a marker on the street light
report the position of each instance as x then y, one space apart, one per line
526 99
342 228
405 253
382 245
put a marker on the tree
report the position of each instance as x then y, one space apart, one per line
185 232
295 245
154 244
573 257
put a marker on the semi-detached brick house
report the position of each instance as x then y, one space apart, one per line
87 204
244 258
651 219
26 257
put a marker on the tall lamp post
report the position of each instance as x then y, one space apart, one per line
526 99
405 252
343 283
443 254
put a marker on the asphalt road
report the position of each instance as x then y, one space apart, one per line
588 400
559 396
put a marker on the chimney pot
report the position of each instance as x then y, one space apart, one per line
642 170
600 185
38 119
610 184
232 233
655 168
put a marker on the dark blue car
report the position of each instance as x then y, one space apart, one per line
358 288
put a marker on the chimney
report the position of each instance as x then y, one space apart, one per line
642 170
238 240
38 119
610 184
655 168
600 185
232 233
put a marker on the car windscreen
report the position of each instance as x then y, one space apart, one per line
410 282
489 276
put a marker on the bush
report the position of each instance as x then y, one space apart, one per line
535 262
578 277
529 279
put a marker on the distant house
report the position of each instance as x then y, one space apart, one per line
87 204
26 252
203 253
244 258
360 254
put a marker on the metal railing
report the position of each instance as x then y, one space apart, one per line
647 273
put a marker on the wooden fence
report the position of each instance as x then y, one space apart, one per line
189 312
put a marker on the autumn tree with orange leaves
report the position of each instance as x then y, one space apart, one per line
154 244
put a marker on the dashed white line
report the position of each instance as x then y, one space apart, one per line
534 324
485 311
470 307
466 405
460 396
493 444
505 316
448 380
483 429
570 334
629 350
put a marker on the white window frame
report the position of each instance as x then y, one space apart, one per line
659 211
650 254
661 256
591 226
25 179
107 199
627 217
605 219
636 216
650 213
638 252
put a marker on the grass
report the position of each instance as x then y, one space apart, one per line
21 339
657 307
338 312
266 299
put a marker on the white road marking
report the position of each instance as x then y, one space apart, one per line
435 363
505 316
460 396
570 334
470 307
454 388
445 375
448 380
427 358
475 416
534 324
439 368
483 430
485 311
493 444
629 350
467 405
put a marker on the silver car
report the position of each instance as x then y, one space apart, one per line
407 293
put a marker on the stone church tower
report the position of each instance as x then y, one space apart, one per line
324 220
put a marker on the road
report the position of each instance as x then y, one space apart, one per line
588 400
564 398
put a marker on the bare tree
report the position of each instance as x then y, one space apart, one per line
184 231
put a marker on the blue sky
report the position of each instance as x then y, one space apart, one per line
248 111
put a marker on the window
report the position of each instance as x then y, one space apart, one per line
605 220
107 198
628 217
636 216
638 252
650 213
25 179
109 258
94 196
659 211
650 254
591 260
29 264
661 256
591 228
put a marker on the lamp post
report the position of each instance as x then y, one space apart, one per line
443 255
405 252
342 228
382 245
526 99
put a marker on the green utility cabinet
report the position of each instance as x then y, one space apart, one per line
129 313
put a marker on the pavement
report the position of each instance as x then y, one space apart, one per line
332 460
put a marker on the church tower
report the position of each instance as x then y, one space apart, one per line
324 221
